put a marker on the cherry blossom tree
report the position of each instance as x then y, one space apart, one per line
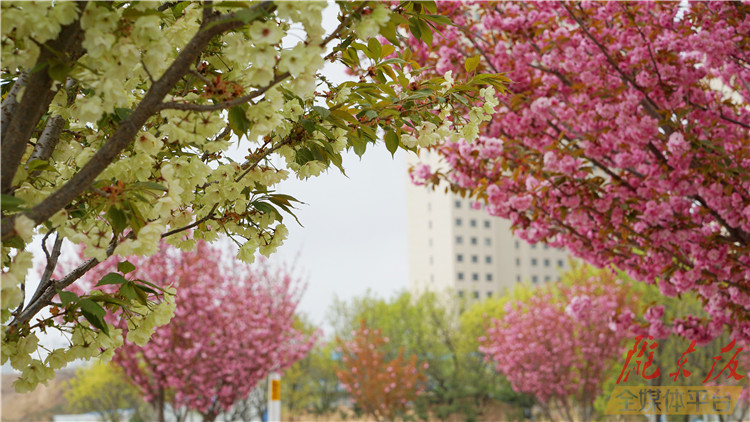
624 139
123 124
557 346
379 385
233 325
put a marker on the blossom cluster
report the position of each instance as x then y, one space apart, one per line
624 138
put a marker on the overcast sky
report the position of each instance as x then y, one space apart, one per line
354 234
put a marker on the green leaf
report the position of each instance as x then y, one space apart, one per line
58 70
117 219
125 267
128 291
150 185
110 299
322 111
391 141
67 297
429 6
386 50
426 32
40 165
414 28
374 46
94 313
10 203
471 63
113 278
439 19
140 294
238 121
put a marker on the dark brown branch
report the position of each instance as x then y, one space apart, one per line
10 103
208 216
48 269
129 127
45 297
37 97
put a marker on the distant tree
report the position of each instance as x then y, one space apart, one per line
104 388
310 386
557 345
624 138
459 382
380 385
232 326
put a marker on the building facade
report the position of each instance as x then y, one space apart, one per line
454 247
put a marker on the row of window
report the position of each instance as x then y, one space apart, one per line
535 262
473 240
474 276
474 259
475 294
472 223
535 279
533 245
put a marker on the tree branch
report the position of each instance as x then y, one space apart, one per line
49 268
45 297
10 103
129 127
37 97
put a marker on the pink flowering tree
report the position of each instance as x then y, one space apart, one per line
557 346
624 138
233 324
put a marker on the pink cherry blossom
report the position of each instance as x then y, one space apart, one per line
625 138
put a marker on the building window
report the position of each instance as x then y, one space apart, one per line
432 278
546 246
432 260
534 279
488 259
546 262
474 259
518 262
458 204
459 258
430 242
473 240
459 240
475 276
533 246
458 221
517 244
429 224
460 293
429 206
547 278
487 226
559 262
489 277
518 279
489 294
476 294
487 241
473 222
460 276
533 262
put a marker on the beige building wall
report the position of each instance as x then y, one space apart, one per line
453 247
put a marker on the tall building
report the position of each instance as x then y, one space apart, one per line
453 246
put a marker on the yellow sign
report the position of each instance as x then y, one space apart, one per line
275 390
673 400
